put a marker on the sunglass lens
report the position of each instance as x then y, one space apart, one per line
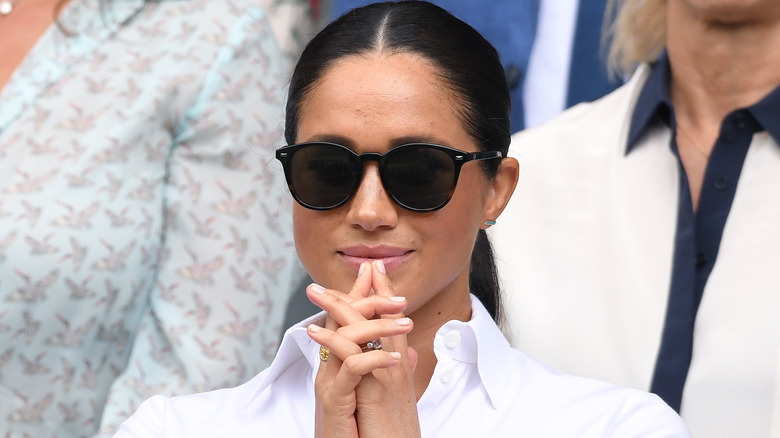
420 177
324 176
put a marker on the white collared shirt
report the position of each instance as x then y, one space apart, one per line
480 387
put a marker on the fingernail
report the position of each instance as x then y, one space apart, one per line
314 328
398 299
361 269
316 288
403 321
395 355
381 266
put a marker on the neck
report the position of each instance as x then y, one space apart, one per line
721 60
427 321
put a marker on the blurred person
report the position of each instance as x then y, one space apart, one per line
549 50
294 22
144 246
397 125
644 231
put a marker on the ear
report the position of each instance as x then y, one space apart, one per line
501 188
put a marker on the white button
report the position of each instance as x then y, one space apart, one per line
452 339
446 375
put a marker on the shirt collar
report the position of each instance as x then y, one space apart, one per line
296 345
653 100
655 103
767 113
481 342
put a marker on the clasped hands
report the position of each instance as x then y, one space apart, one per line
364 393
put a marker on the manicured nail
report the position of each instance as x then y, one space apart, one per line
314 328
398 299
403 321
361 269
381 266
395 355
316 288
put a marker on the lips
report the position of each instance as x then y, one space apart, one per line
391 256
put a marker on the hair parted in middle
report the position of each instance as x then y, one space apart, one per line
468 65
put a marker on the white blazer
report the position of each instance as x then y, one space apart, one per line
585 254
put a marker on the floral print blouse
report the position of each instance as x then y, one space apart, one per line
145 233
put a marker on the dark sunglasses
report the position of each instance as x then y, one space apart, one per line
418 176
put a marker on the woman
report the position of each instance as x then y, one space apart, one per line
659 202
387 108
136 249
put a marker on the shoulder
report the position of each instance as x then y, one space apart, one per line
605 118
593 407
276 400
200 26
211 13
162 416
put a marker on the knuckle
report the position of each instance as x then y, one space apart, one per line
352 365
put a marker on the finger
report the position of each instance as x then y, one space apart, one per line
342 386
356 366
362 286
382 285
329 367
339 311
340 347
344 310
380 282
363 332
374 305
347 341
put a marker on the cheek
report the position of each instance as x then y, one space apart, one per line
455 229
315 233
470 197
307 225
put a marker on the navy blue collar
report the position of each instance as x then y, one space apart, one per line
767 113
655 104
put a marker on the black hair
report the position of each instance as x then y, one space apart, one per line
467 64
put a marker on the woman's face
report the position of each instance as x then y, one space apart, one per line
372 103
731 11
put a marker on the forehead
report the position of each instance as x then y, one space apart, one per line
377 98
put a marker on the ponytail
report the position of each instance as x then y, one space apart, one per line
483 278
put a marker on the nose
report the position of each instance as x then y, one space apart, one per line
371 207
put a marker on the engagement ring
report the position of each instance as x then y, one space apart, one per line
376 344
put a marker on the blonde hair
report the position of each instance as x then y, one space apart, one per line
637 30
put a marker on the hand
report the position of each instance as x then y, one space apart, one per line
349 324
386 398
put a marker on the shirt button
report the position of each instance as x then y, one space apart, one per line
446 375
722 183
701 260
452 339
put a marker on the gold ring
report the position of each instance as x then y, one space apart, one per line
324 352
376 344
